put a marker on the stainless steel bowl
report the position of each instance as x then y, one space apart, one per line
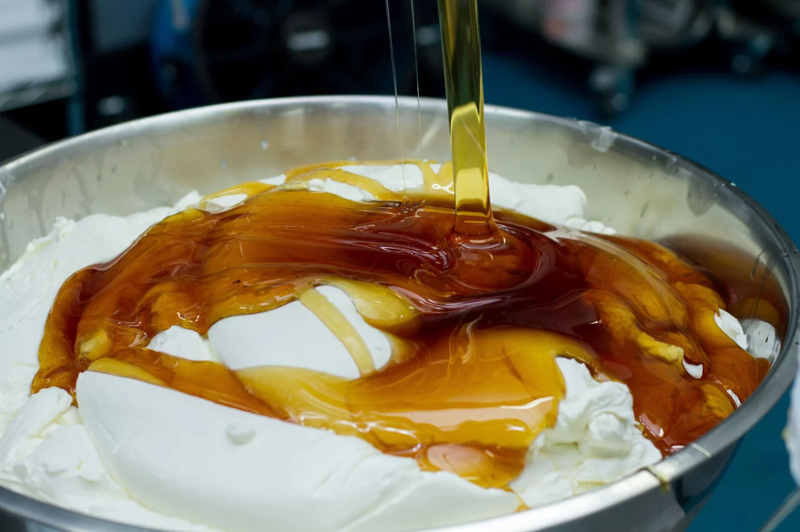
635 187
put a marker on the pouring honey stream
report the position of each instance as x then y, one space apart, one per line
477 304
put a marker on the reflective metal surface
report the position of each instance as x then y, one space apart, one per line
632 186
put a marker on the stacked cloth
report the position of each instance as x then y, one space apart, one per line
793 431
32 51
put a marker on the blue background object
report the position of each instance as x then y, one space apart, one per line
743 129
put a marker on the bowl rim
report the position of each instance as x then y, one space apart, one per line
657 477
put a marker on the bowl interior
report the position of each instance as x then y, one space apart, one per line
638 189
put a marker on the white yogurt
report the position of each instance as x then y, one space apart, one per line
153 457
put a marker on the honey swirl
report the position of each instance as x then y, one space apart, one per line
472 380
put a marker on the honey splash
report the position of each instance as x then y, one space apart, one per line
472 380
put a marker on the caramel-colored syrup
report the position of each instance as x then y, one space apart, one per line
472 380
463 77
477 243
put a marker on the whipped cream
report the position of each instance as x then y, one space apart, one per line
150 456
182 460
29 287
291 335
731 327
45 451
596 440
48 454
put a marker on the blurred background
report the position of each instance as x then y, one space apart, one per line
715 80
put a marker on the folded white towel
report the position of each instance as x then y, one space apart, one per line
793 431
32 61
30 51
25 18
